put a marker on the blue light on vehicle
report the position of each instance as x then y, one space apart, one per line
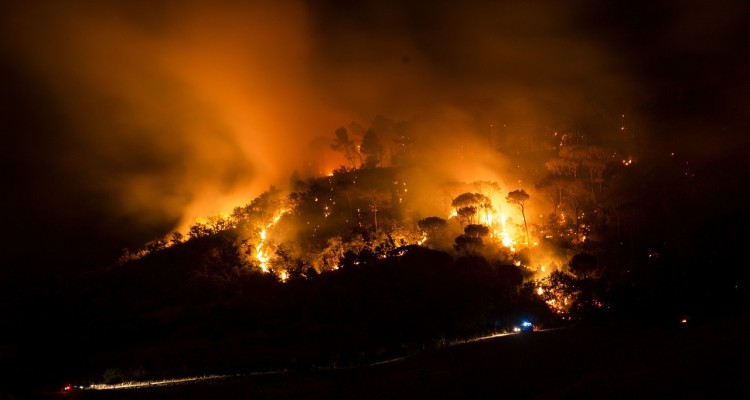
526 324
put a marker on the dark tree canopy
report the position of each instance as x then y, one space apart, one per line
467 204
475 230
469 199
467 214
583 265
518 197
372 148
345 145
432 224
468 244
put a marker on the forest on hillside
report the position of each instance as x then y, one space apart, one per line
378 259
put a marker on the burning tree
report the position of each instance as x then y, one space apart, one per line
559 290
467 204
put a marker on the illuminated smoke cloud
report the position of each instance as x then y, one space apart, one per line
168 112
154 113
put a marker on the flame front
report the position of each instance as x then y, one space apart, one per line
261 253
500 231
504 236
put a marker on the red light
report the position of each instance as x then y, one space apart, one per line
68 388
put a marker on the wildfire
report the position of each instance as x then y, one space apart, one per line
504 236
559 292
260 254
487 219
490 219
260 249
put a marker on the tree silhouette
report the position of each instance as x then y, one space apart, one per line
435 229
553 185
576 194
467 214
343 144
519 198
432 224
475 230
468 244
467 204
593 157
376 200
372 148
562 166
487 189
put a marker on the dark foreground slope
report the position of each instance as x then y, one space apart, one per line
700 359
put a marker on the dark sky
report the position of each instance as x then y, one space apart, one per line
122 120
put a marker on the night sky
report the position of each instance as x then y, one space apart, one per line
122 120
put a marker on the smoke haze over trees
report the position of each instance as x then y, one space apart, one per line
249 162
129 120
